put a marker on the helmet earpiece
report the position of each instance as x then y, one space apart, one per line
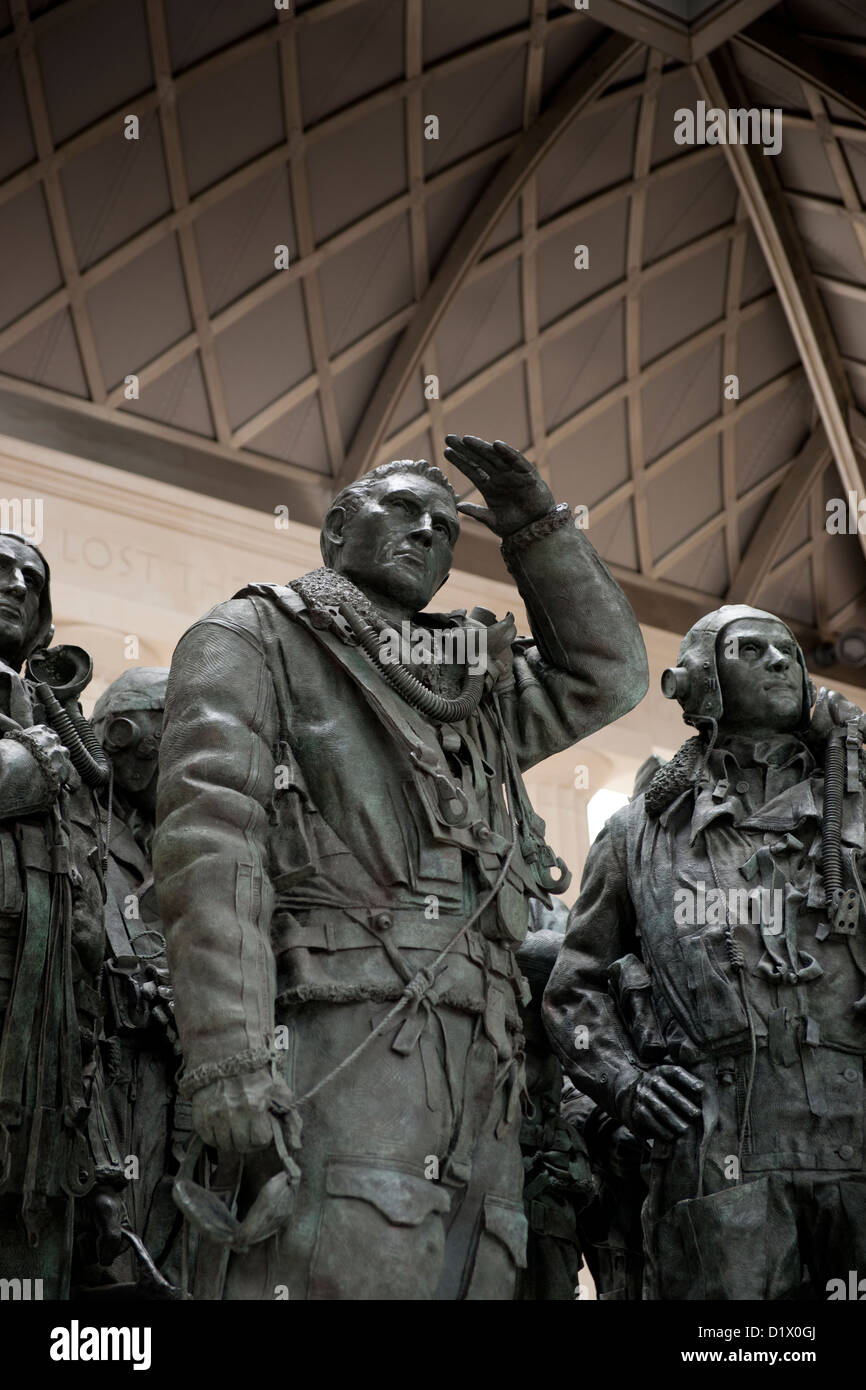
675 684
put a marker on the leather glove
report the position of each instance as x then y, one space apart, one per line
661 1103
235 1116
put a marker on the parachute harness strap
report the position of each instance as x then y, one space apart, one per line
422 982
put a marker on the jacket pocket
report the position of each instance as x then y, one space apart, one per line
717 1008
730 1245
381 1234
501 1250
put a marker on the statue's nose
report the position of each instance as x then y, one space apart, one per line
423 529
776 660
12 582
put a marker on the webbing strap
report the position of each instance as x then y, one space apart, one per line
23 1006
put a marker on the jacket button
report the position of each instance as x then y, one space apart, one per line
482 833
850 1074
846 1151
742 788
382 921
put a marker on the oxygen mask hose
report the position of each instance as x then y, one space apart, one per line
59 675
831 830
85 752
439 707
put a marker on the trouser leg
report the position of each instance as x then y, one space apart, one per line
487 1235
369 1214
372 1218
50 1260
712 1231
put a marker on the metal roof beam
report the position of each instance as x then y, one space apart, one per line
721 25
678 38
765 202
759 557
586 82
832 75
649 26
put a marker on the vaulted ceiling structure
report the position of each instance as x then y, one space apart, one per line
495 220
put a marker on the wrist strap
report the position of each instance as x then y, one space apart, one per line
238 1065
559 516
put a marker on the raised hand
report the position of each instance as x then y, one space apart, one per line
511 486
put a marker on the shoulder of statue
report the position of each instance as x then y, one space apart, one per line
235 615
258 590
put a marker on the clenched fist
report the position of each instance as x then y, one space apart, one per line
662 1103
236 1115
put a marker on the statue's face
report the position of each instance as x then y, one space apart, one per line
22 579
132 742
400 541
760 677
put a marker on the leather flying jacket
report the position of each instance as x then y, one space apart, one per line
299 844
666 888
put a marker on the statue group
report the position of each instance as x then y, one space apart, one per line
289 1008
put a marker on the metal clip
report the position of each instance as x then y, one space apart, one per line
424 758
547 860
449 792
852 755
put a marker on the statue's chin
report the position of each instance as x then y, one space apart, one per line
772 721
395 589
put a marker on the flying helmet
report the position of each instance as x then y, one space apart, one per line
141 687
694 681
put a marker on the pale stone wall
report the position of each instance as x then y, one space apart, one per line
135 558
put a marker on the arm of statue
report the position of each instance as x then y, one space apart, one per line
588 665
34 768
216 782
587 1033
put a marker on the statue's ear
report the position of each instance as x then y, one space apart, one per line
335 524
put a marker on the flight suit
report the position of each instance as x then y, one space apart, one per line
761 999
319 842
51 955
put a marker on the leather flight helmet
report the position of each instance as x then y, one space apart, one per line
694 681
